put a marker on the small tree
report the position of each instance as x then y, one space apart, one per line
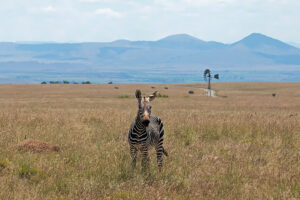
44 82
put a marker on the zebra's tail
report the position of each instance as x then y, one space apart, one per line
165 152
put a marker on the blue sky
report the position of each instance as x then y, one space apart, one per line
106 20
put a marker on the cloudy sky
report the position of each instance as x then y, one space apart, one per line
106 20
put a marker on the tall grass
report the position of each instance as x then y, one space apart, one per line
245 146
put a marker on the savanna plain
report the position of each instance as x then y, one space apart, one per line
242 144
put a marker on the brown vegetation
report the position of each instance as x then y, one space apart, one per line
242 145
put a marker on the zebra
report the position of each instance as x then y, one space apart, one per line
146 131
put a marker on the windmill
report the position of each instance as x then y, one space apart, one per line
208 77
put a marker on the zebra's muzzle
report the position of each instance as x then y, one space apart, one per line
146 122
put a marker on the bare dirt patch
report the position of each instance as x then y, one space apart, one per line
36 146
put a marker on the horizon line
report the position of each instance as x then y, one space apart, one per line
122 39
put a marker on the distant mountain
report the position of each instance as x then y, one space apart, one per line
295 44
257 40
180 54
183 38
260 43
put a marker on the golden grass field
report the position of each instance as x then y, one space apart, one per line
243 144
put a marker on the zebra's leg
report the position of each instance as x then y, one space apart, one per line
159 154
133 154
145 159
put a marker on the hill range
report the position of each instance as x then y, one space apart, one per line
176 58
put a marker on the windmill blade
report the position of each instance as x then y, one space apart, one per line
216 76
206 74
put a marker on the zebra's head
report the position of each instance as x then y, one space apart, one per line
144 110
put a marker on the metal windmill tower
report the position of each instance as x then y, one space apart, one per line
208 77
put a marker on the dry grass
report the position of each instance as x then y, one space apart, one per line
242 145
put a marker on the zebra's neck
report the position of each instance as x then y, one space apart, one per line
139 126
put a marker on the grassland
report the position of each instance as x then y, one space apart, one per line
244 144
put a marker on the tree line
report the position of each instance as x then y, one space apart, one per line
65 82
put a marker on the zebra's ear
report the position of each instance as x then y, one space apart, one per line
138 94
152 96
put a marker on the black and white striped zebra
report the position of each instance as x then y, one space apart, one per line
146 131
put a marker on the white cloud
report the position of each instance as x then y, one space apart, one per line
103 1
48 9
200 3
89 1
78 20
108 13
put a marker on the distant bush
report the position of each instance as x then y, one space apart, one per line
191 92
116 87
152 87
166 88
54 82
123 96
86 82
162 95
110 82
274 95
65 82
186 96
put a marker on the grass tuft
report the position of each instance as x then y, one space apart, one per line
3 164
26 171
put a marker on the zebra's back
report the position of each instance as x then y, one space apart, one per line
155 130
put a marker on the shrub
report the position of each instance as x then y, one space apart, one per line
152 87
191 92
116 87
86 82
44 82
66 82
123 96
162 95
274 95
110 82
54 82
166 88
